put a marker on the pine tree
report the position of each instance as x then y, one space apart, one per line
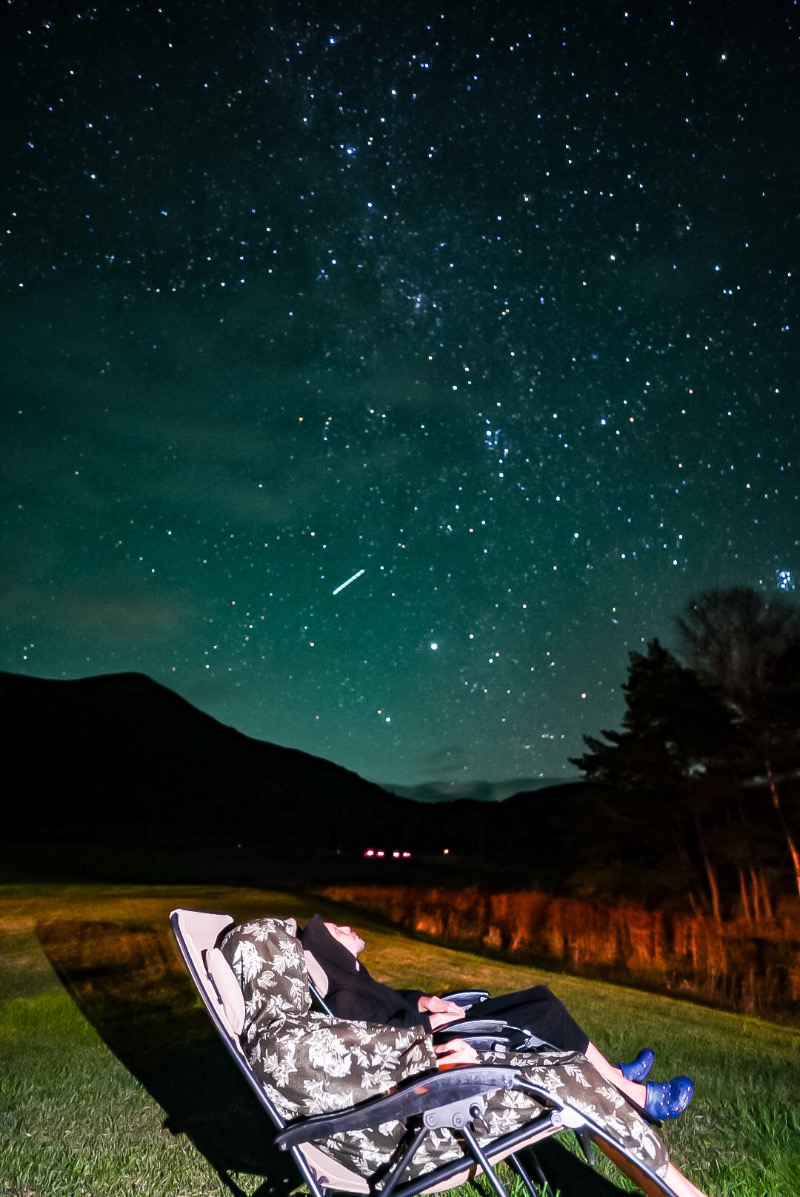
747 646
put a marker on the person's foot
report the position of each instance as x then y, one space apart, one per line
668 1099
637 1070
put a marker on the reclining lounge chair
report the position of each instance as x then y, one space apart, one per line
443 1113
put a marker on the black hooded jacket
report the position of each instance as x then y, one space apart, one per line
352 992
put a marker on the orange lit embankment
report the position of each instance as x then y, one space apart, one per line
738 964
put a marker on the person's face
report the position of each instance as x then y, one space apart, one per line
347 937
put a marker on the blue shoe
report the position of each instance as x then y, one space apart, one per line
668 1099
638 1069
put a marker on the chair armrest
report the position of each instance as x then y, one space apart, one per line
489 1035
427 1092
480 1026
467 997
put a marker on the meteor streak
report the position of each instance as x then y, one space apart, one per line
349 580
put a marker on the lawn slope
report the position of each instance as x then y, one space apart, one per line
112 1082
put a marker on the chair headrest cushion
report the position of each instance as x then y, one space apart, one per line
319 978
228 988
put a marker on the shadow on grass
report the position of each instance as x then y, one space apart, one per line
129 983
568 1174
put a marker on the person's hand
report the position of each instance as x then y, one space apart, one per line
438 1005
441 1011
457 1051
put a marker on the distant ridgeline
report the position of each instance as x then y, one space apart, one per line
124 762
121 759
740 964
122 756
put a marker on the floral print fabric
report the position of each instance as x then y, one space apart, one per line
311 1063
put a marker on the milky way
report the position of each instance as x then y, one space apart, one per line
378 377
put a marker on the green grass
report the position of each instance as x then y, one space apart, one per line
112 1082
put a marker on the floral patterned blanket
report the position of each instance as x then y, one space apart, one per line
311 1063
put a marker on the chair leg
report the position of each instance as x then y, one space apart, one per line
390 1183
536 1188
480 1158
587 1146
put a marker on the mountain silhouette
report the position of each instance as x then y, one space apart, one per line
121 760
123 753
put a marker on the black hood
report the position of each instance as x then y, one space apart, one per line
336 962
352 993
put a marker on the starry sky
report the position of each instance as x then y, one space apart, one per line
379 376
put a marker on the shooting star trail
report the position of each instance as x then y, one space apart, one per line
349 580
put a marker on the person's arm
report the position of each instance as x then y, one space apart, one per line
410 995
358 1006
314 1063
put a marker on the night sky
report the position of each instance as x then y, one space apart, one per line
379 376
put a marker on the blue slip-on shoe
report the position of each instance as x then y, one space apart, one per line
668 1099
639 1068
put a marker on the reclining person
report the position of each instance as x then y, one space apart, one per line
310 1063
352 993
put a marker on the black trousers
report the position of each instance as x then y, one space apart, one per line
537 1010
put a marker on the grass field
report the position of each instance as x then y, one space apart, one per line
112 1083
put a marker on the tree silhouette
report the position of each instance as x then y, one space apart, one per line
662 770
674 726
747 646
702 734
